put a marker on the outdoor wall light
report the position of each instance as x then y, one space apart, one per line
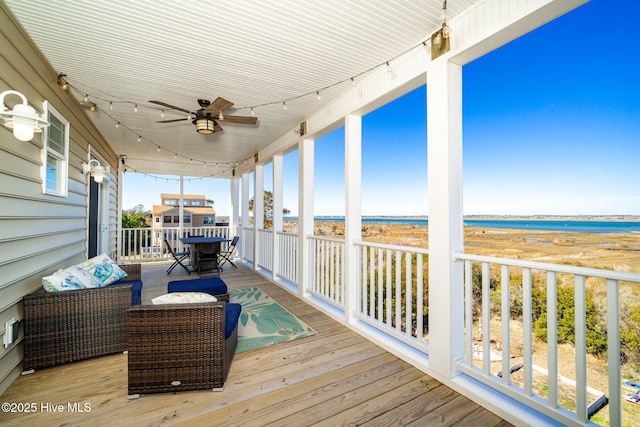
22 119
98 172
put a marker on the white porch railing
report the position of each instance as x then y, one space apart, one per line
525 273
287 267
247 243
265 249
147 244
326 265
393 291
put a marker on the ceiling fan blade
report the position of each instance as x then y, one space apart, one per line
220 104
245 120
217 128
173 107
171 121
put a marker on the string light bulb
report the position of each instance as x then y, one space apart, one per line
318 95
117 125
253 113
135 108
162 114
158 149
86 98
353 81
388 67
284 106
175 155
445 28
139 138
110 105
62 82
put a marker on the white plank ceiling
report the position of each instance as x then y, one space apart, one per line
254 53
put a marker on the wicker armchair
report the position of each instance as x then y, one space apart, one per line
62 327
179 347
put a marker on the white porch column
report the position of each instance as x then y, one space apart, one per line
353 208
277 212
444 152
120 236
234 204
258 212
245 212
181 213
305 211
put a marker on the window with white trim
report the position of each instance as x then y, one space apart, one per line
55 153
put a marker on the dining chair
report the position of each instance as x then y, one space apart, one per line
178 258
225 256
208 257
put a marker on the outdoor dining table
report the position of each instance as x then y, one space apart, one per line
194 241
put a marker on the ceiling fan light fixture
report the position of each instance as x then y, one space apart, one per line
204 125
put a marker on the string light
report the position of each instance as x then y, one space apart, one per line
443 33
135 108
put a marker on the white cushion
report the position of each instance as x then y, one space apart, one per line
183 297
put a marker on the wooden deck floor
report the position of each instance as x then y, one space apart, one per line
332 378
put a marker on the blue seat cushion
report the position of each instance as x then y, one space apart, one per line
208 285
136 290
231 315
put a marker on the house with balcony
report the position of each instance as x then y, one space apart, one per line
194 211
123 88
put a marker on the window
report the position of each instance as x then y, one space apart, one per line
176 219
55 153
208 220
167 219
170 202
196 203
187 220
157 219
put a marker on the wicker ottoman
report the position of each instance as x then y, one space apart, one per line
210 285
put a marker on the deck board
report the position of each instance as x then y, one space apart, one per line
335 377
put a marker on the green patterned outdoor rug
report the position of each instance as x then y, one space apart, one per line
264 322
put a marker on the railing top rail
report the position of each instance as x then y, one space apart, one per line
287 233
536 265
413 249
327 239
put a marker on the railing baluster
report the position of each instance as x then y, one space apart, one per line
389 294
580 308
527 326
419 300
613 340
486 318
398 285
505 287
468 287
409 297
552 338
380 293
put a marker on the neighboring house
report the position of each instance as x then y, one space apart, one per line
195 213
195 210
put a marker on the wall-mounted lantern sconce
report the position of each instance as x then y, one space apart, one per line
22 119
98 172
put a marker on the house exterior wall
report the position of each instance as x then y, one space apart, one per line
40 233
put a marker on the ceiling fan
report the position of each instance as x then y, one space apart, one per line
207 117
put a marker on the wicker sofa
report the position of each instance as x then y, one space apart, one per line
62 327
179 347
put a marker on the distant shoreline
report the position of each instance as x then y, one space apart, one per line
632 218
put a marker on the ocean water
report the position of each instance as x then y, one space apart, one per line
518 224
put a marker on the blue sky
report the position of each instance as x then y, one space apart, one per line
551 125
